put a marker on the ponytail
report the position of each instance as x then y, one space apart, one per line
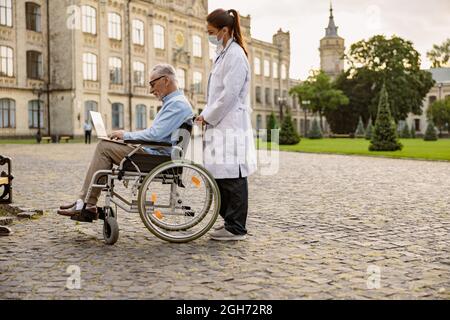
237 32
220 18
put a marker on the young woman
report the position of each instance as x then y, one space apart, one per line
229 150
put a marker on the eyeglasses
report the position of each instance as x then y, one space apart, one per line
152 83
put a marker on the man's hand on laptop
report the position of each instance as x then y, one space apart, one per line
117 135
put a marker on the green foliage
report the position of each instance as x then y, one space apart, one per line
320 91
439 113
405 133
385 134
369 130
360 132
315 132
288 134
272 124
440 55
431 134
393 62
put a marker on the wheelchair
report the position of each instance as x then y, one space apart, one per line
5 181
177 200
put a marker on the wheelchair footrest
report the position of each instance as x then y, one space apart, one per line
87 216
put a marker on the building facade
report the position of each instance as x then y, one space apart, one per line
61 59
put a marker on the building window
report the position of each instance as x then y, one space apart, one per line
34 65
138 32
139 73
117 116
158 35
268 96
258 95
283 72
257 66
417 125
6 62
88 107
6 13
259 125
114 26
197 82
89 66
266 68
276 95
152 113
7 113
197 46
33 16
431 100
35 114
141 116
275 70
115 70
212 51
181 77
89 19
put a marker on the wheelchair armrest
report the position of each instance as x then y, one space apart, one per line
149 143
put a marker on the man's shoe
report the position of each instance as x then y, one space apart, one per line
69 206
219 228
225 235
71 212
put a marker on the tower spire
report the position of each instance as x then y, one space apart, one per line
331 31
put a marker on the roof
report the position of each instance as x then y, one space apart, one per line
440 75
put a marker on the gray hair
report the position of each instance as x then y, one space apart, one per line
164 69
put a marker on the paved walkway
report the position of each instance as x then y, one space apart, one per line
326 227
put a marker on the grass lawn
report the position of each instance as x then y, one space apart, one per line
412 148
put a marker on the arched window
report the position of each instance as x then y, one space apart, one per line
88 107
36 114
89 66
115 70
139 73
34 65
6 13
197 82
6 62
7 113
33 16
141 116
159 37
197 46
138 32
114 26
152 113
257 66
181 77
117 116
89 19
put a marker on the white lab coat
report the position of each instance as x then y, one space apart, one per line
229 144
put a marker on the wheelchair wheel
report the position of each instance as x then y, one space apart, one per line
110 227
179 201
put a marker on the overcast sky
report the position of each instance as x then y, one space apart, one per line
424 22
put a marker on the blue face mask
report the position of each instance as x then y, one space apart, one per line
213 39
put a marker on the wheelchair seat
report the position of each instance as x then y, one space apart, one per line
145 162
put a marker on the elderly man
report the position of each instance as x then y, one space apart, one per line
175 111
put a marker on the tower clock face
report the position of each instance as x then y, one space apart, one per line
179 39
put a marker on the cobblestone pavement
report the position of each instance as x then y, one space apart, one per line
319 229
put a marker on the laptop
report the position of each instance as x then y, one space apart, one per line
99 126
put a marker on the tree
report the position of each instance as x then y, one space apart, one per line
271 125
320 91
369 130
360 132
384 136
395 64
439 114
288 134
440 55
315 132
431 134
405 132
